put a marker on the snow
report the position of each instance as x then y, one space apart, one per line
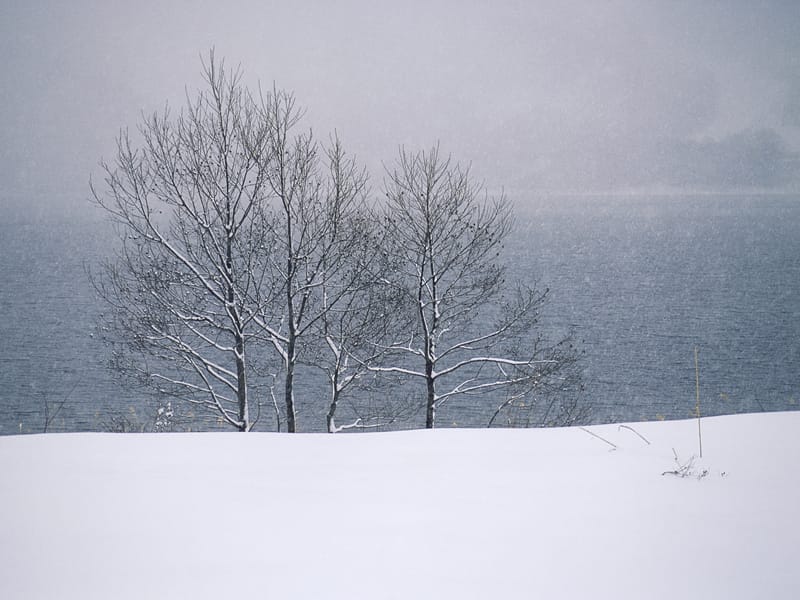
449 513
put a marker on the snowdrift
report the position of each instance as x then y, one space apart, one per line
557 513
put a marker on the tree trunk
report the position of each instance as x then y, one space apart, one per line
330 417
334 403
241 387
291 420
430 416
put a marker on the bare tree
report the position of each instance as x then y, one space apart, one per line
192 273
353 333
320 193
469 336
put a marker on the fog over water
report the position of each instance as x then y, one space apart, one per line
575 96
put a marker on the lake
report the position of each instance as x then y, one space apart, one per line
641 281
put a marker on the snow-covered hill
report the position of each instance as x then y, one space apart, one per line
555 513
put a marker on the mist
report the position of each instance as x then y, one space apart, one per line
588 97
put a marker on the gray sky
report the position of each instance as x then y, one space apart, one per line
568 96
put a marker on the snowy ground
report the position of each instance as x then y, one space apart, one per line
424 514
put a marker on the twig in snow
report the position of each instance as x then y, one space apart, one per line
592 433
628 427
682 469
